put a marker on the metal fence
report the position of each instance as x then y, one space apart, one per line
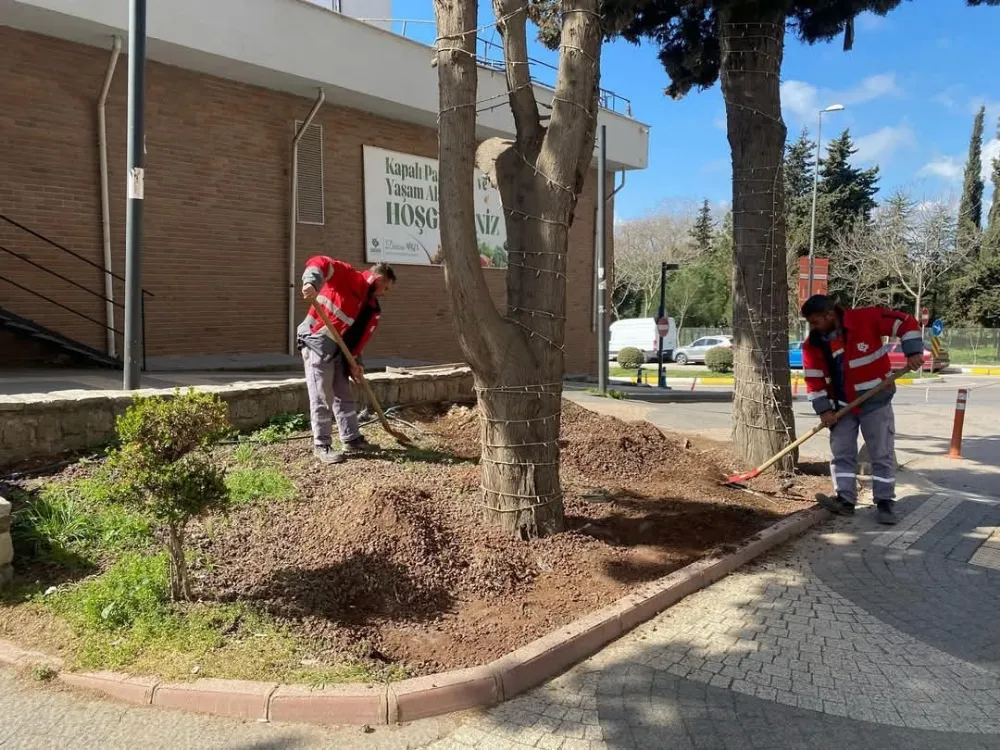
965 346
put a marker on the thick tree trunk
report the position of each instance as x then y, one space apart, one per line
517 358
752 43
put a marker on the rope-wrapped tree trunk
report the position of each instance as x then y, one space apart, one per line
752 44
516 357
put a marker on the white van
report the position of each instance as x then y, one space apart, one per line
641 334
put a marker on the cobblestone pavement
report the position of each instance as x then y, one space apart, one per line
48 717
856 636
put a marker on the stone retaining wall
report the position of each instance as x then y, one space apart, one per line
41 425
6 546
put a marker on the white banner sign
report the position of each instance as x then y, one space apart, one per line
401 212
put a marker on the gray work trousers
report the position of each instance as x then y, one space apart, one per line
330 396
878 427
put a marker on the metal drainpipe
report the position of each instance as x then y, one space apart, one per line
293 222
596 300
102 147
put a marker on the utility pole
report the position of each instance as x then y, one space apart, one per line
812 221
602 282
661 318
136 188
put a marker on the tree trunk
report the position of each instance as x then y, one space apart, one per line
517 359
180 586
752 44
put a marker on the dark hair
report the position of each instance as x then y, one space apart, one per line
818 303
385 270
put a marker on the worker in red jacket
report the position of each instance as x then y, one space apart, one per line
843 357
350 299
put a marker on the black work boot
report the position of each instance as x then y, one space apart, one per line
836 505
885 513
357 447
327 455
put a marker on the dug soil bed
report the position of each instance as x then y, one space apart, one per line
387 556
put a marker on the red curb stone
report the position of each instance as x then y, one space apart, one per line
554 653
434 695
241 699
121 686
658 596
347 704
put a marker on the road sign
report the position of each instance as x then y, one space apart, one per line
937 327
935 347
663 327
925 316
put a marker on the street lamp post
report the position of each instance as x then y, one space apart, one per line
812 220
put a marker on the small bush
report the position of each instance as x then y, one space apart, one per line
252 485
163 466
631 358
719 359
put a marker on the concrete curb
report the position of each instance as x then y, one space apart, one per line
433 695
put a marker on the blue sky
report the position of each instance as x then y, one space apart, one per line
910 86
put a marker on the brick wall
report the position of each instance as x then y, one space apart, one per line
215 230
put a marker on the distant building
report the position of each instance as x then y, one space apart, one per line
229 82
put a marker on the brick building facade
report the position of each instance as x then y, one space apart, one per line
216 209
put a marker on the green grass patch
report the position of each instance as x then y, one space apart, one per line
671 372
279 428
75 522
122 619
249 485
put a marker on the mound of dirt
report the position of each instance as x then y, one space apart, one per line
392 551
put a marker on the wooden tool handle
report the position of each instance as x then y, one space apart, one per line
853 405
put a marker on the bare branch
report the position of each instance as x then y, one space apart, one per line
512 16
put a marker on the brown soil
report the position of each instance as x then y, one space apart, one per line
388 554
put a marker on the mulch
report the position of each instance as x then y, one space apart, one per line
388 557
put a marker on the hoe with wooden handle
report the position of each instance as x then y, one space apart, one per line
737 479
369 393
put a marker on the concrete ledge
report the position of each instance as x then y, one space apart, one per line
434 695
48 424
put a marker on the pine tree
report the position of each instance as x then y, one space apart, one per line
991 239
799 164
703 231
970 208
848 192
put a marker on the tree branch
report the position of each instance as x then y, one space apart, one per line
458 79
573 124
512 16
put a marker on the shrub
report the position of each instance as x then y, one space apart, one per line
719 359
631 358
163 466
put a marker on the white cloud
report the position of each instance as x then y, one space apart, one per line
948 168
803 100
881 145
871 22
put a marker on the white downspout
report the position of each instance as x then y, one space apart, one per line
293 271
102 147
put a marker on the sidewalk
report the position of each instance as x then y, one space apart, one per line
853 637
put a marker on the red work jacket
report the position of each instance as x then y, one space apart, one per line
344 293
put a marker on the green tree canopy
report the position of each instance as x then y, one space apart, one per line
970 208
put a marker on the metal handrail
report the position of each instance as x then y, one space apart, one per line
66 250
68 280
58 304
607 98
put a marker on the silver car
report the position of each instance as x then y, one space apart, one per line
696 351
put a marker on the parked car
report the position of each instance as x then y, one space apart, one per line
795 355
898 360
696 351
641 333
